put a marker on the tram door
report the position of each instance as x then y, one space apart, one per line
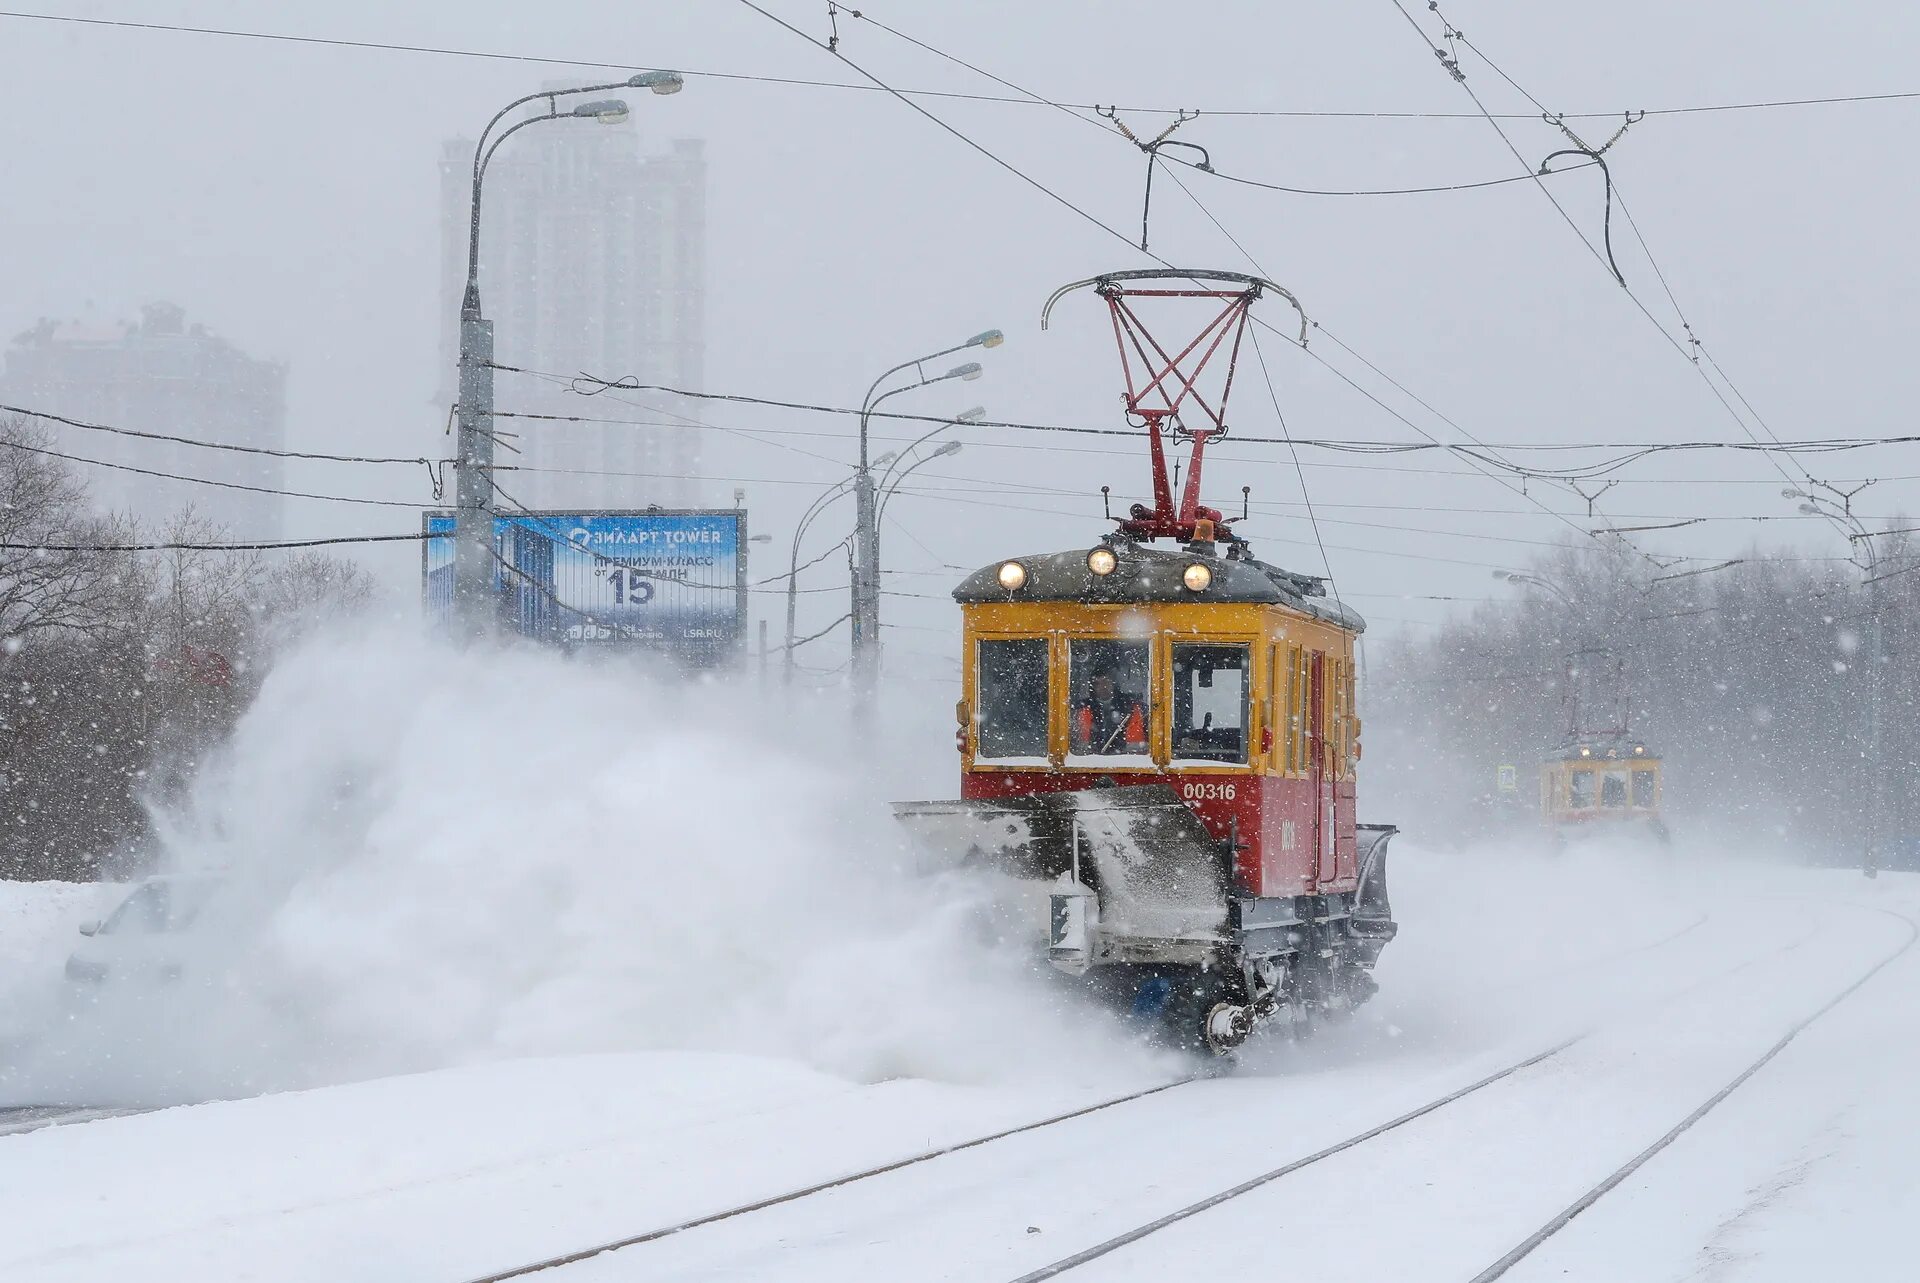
1320 778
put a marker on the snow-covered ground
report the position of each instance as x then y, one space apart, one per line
480 1024
462 1172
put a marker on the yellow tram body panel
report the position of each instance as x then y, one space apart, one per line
1601 786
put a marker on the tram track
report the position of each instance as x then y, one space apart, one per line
847 1179
1563 1218
1613 1179
821 1187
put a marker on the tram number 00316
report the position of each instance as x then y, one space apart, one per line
1207 790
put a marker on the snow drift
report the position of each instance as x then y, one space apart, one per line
438 857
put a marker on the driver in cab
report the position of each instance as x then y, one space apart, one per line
1109 720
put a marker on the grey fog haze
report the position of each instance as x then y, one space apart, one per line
287 196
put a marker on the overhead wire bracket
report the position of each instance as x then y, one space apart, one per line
1152 150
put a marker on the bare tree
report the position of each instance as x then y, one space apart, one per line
50 590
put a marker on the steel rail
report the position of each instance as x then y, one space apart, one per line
1506 1262
574 1258
790 1196
1526 1246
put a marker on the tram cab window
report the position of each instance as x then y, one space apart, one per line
1580 789
1013 699
1613 789
1209 703
1109 697
1643 789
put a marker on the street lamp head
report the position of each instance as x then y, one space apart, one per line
661 82
888 457
970 371
1809 510
608 111
1503 574
970 416
1792 494
987 338
951 447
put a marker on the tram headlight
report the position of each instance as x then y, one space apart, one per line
1101 561
1013 576
1197 577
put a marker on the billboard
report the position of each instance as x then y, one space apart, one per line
672 581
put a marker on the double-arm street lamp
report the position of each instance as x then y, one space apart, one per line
906 465
866 574
474 602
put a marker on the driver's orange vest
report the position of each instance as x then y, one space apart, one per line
1136 725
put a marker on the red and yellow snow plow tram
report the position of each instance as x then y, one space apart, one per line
1167 738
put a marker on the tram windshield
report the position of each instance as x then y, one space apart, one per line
1111 709
1580 789
1613 789
1209 703
1643 789
1013 700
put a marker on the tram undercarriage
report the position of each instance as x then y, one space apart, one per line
1150 909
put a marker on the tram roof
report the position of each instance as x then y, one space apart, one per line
1148 575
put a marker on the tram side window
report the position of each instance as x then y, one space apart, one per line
1580 789
1643 789
1110 697
1013 699
1210 703
1613 789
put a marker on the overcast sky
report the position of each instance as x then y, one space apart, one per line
286 195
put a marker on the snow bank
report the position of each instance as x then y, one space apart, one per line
440 858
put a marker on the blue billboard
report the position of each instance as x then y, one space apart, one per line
672 581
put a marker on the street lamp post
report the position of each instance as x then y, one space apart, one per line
866 575
474 602
1538 581
890 488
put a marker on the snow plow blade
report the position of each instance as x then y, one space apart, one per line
1372 922
1157 872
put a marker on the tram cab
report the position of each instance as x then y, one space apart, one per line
1158 733
1162 744
1594 782
1232 682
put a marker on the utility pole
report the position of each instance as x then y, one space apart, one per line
475 604
866 588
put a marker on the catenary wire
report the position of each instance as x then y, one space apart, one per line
234 447
1247 113
202 481
184 546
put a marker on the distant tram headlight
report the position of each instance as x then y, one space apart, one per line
1013 576
1197 577
1101 561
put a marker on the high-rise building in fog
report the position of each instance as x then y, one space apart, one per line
159 374
592 258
